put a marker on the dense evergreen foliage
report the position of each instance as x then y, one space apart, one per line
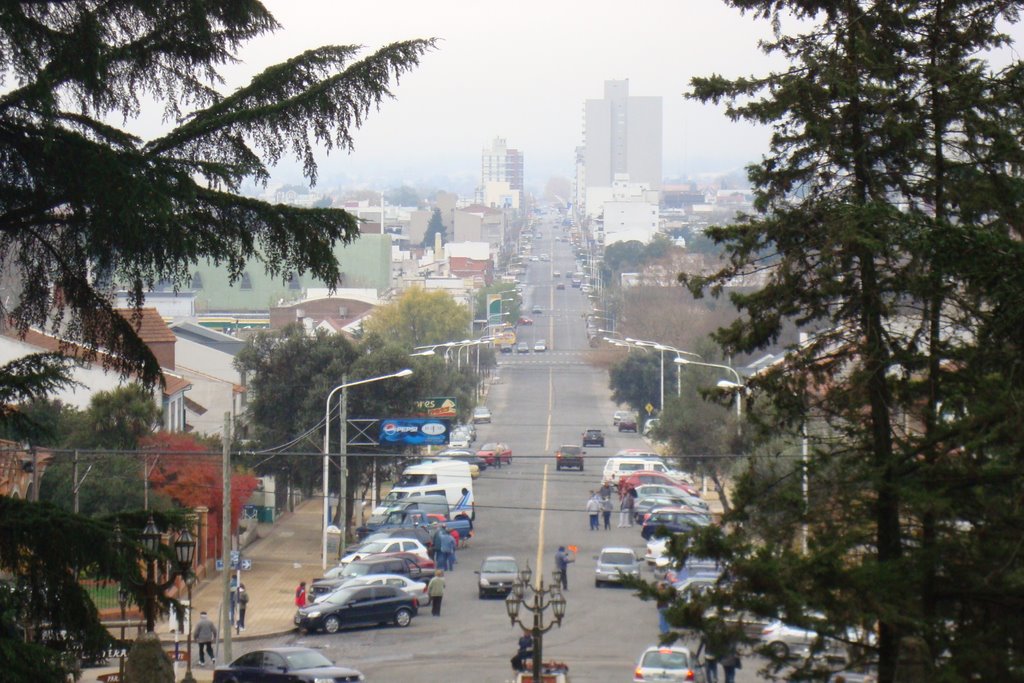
888 222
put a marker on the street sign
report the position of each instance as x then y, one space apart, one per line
444 407
414 431
237 562
649 408
246 565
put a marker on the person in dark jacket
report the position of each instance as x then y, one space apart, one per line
524 653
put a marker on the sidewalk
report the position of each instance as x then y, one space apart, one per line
286 553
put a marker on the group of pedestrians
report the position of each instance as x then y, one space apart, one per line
600 505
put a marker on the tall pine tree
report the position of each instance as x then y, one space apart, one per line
895 154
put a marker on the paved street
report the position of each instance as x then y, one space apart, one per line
527 509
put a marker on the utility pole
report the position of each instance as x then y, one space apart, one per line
225 533
343 470
74 480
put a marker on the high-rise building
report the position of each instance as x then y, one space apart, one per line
503 165
622 135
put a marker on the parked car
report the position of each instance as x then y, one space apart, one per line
672 520
593 437
650 426
627 423
495 453
672 491
645 504
540 346
459 438
358 605
618 415
481 414
391 563
569 456
284 664
667 663
496 575
642 477
613 564
414 589
476 463
389 545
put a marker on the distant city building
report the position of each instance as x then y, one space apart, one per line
622 135
502 165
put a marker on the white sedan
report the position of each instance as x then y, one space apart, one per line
414 589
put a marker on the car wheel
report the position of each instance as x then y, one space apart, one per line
779 649
332 624
558 467
403 617
482 594
581 468
597 583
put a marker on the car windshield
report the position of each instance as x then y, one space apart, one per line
571 450
665 659
500 566
306 660
375 547
356 569
618 558
489 447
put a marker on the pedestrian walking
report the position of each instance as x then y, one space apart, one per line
300 595
626 507
710 661
243 603
435 589
593 509
562 560
730 663
606 512
447 551
205 633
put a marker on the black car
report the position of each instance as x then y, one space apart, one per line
284 664
593 437
358 605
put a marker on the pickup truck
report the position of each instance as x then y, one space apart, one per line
400 519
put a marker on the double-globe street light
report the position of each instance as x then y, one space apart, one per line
540 600
342 452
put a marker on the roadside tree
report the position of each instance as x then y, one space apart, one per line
419 317
887 214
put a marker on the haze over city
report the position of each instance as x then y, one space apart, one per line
523 73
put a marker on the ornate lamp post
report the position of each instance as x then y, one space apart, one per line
537 603
122 600
185 553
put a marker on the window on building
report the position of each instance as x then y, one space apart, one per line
246 281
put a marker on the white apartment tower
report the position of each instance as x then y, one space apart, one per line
499 164
622 135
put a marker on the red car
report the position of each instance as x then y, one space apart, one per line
495 453
650 477
524 321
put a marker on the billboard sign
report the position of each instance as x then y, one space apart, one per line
413 431
443 406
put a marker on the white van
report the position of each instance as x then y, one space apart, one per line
616 467
441 477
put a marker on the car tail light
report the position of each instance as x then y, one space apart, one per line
689 674
638 674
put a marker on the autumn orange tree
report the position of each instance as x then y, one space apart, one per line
187 472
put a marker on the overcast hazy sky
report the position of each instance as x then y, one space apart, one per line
522 70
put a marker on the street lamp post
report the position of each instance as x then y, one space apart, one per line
737 387
190 580
343 387
540 600
661 348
